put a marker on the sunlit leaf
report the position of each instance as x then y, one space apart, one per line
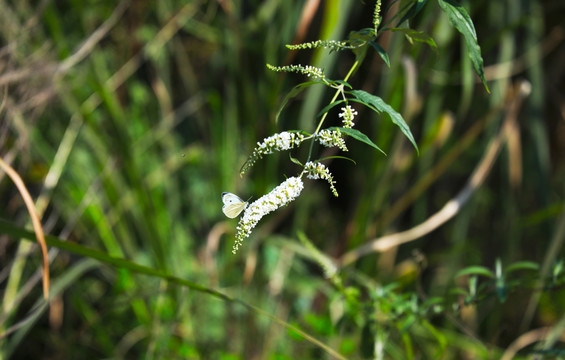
357 135
295 160
522 265
418 36
475 270
379 106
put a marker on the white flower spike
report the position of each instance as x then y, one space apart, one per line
280 196
348 114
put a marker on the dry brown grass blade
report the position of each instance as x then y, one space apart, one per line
35 221
308 12
531 337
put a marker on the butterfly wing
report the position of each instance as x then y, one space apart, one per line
233 210
229 198
233 205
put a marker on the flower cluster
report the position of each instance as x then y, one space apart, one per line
348 114
316 170
308 70
286 192
328 44
331 138
282 141
377 16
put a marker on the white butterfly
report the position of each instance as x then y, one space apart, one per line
233 205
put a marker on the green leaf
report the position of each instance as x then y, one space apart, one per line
344 83
293 93
359 39
357 135
409 11
459 291
337 157
433 301
294 160
475 270
319 323
361 36
460 19
329 107
418 36
522 265
440 338
382 52
378 105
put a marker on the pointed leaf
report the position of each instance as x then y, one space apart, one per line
329 107
382 53
359 40
344 83
475 270
458 291
296 161
522 265
415 35
411 10
357 135
379 106
460 19
337 157
293 93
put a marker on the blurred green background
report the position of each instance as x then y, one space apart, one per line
127 120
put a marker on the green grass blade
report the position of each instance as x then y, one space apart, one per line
52 241
41 306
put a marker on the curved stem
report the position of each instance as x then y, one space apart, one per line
339 91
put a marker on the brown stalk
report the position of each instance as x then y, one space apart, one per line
35 221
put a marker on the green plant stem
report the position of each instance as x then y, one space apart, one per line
339 91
